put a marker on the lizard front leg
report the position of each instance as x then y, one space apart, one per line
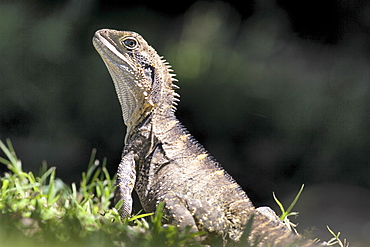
126 176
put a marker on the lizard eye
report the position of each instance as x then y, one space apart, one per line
129 43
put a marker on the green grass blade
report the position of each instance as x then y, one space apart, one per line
295 200
12 161
288 211
282 209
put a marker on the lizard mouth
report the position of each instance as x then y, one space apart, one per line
102 42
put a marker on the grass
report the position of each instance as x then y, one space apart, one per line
285 213
41 210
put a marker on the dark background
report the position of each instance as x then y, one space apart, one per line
277 91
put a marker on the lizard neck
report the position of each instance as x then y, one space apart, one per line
158 122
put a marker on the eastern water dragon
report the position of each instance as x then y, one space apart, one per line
164 163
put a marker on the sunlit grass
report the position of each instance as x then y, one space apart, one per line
41 210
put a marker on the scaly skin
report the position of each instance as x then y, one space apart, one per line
164 163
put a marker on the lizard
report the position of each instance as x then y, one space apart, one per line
164 163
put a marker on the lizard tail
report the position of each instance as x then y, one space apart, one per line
272 232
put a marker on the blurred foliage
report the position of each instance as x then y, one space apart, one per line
252 86
252 91
277 110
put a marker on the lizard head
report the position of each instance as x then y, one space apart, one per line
141 77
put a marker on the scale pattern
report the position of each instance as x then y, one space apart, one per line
164 163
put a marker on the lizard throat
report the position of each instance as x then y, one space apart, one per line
130 94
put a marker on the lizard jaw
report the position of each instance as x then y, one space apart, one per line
101 43
118 64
